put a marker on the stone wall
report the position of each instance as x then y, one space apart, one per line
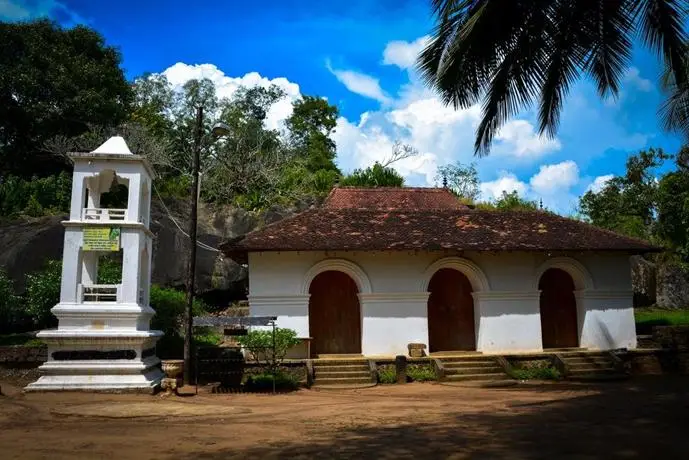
18 355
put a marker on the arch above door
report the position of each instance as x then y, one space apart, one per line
478 279
341 265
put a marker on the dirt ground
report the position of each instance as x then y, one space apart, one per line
636 419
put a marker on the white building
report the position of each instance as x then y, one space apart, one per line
103 341
373 270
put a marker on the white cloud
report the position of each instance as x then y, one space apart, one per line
523 140
599 183
361 84
403 54
11 10
553 177
17 10
633 77
506 182
225 86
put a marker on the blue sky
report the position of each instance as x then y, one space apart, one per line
358 54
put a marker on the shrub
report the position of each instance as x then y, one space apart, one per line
12 316
264 382
259 344
647 318
170 305
535 370
35 197
387 374
43 293
420 373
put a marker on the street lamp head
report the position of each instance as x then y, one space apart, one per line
220 129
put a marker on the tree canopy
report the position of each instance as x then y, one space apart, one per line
54 81
645 202
508 55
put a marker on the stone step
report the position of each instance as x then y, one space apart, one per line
343 368
459 364
596 360
339 362
474 370
465 377
605 365
571 354
451 359
576 359
341 381
591 370
341 374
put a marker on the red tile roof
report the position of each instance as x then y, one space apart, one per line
462 230
392 198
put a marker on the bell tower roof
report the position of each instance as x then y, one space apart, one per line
113 146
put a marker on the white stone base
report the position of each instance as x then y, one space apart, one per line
138 374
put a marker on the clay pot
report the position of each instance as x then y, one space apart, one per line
172 367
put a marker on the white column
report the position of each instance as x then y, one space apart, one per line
134 198
78 195
131 241
606 319
292 311
71 265
89 267
391 321
508 321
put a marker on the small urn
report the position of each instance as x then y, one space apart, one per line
416 350
173 369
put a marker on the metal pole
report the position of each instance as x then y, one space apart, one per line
193 218
274 366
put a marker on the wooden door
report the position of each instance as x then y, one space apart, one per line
450 312
558 310
334 314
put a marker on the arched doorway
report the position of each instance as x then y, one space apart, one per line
334 314
558 309
450 312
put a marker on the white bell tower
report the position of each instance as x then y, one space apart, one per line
103 340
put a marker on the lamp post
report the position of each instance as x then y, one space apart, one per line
219 129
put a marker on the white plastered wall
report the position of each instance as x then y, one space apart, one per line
393 296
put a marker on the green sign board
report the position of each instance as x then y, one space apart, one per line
101 239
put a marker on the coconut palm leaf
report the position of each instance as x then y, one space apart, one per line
509 53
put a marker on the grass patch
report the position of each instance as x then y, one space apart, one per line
540 369
420 373
387 374
23 339
647 318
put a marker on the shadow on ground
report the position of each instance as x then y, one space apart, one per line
639 419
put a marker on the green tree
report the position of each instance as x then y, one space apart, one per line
373 176
310 126
628 203
509 54
513 202
43 293
153 100
54 81
462 180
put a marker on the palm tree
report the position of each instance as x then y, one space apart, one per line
510 53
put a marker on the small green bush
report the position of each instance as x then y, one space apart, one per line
43 293
264 382
387 374
534 370
420 372
170 305
12 315
259 344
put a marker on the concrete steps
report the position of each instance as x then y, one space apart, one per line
341 372
473 368
590 365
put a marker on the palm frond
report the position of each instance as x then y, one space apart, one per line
662 28
609 27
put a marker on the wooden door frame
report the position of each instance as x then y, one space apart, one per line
474 306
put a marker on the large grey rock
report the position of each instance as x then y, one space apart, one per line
643 281
27 244
672 286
